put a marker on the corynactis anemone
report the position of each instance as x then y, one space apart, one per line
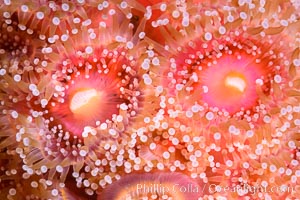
149 99
225 62
228 72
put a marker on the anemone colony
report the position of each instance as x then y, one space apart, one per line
100 96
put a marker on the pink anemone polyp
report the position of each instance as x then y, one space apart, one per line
225 73
231 83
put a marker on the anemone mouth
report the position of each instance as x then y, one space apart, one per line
94 90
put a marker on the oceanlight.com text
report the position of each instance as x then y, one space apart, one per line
158 188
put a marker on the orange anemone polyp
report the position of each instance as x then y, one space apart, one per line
93 89
87 101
